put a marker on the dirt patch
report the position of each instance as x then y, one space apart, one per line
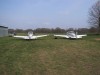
97 39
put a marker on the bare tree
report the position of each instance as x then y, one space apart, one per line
94 15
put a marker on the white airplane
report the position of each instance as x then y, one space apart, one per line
71 35
30 36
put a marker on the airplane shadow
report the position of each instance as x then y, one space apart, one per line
67 38
27 39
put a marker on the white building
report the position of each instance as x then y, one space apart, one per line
3 31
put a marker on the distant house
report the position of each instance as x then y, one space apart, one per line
3 31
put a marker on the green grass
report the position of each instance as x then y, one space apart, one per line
49 56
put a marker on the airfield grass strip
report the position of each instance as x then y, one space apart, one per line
49 56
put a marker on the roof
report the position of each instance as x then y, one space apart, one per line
3 27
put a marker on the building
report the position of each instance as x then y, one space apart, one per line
3 31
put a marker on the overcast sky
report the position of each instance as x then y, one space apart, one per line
45 13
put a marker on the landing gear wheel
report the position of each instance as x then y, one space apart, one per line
55 37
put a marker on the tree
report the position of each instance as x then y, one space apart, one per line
93 30
94 15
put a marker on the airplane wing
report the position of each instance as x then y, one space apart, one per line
82 35
78 37
35 37
65 36
22 37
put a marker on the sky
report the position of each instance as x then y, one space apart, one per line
32 14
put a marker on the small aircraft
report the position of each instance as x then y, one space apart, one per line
70 35
30 36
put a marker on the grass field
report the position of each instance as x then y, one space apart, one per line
49 56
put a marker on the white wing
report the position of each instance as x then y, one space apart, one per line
78 37
35 37
22 37
32 37
82 35
65 36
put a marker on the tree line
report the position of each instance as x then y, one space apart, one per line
55 30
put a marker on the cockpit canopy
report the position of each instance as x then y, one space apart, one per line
71 34
30 33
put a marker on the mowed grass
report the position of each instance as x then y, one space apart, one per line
49 56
